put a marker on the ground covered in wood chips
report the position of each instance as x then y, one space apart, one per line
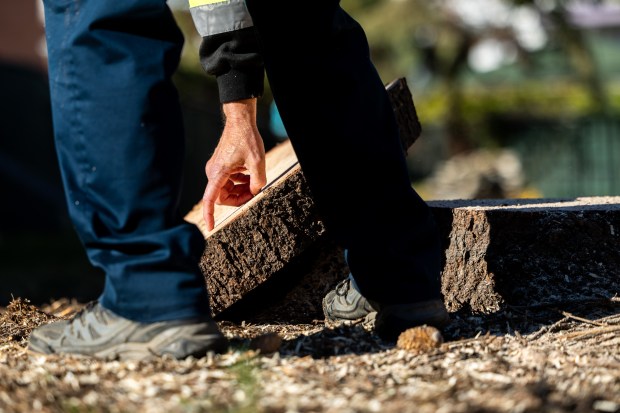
559 357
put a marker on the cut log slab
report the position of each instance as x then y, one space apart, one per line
528 252
260 241
251 244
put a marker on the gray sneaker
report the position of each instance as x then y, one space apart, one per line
346 303
98 332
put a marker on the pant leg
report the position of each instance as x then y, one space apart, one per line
341 124
120 143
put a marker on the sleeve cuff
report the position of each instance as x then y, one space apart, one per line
240 84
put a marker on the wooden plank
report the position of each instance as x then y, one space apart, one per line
252 243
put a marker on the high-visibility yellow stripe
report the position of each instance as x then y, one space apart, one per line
197 3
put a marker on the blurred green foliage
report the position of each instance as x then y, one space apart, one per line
561 101
574 75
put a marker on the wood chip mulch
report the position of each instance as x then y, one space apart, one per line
552 358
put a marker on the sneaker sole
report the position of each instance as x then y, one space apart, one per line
196 346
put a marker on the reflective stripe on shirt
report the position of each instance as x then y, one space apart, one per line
217 16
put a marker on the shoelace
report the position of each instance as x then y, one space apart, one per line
80 316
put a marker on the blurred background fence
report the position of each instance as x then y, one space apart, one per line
578 158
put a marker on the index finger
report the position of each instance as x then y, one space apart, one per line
212 192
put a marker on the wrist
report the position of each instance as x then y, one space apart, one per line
240 110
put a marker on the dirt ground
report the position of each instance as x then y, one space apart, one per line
559 357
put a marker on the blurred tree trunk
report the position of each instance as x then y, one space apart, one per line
581 58
457 131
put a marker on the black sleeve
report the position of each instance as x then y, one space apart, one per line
235 61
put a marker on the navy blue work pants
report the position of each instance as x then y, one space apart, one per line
120 142
119 139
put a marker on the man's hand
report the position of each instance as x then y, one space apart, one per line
236 170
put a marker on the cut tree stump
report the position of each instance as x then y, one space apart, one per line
254 243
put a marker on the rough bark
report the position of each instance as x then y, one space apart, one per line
406 116
262 240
